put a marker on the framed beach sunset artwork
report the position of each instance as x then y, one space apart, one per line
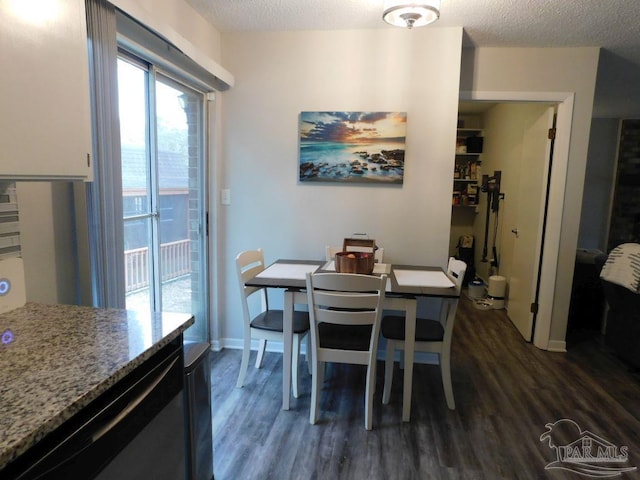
364 147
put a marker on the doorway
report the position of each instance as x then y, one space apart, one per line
510 249
163 177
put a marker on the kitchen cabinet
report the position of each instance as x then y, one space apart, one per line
466 173
45 115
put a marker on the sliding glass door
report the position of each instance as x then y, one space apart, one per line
163 171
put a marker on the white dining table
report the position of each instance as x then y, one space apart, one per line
405 283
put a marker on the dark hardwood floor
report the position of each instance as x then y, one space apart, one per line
506 391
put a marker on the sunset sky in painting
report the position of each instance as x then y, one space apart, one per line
352 127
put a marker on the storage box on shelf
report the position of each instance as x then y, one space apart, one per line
466 174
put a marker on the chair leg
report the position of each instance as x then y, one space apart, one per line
295 363
445 371
322 369
244 365
309 354
261 349
316 387
388 371
371 387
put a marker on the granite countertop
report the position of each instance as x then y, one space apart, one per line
56 359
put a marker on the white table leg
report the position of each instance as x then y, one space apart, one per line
409 347
287 333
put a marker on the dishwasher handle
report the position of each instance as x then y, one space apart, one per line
133 403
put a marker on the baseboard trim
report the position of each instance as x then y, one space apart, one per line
557 346
277 347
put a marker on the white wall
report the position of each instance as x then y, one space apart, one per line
617 87
547 70
47 235
177 21
280 74
599 183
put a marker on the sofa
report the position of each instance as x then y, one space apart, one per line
622 331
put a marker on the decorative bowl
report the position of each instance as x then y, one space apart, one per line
354 262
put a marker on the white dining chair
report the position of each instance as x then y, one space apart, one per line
264 323
344 313
431 336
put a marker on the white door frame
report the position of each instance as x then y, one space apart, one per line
558 180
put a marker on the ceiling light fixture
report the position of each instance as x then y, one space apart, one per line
403 13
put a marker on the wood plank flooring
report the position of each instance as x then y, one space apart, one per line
506 390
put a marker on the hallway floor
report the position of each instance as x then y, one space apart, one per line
506 391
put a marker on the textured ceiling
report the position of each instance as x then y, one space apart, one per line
613 25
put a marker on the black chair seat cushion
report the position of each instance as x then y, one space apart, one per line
344 337
272 320
426 330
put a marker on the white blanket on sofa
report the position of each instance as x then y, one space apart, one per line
623 266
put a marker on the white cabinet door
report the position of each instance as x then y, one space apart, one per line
45 121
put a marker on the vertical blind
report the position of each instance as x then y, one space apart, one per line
104 195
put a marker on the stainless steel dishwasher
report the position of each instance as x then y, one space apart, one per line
197 370
135 430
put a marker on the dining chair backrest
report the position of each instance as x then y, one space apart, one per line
456 270
345 299
248 264
368 243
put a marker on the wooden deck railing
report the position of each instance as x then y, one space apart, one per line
175 261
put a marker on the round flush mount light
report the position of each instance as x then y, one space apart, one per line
402 13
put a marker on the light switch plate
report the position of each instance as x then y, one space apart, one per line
225 196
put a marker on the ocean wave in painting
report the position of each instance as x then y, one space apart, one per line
339 162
